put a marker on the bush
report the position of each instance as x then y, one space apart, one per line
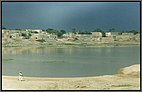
41 40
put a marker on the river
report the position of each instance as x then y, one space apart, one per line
67 62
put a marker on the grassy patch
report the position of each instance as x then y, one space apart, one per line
69 44
41 40
7 59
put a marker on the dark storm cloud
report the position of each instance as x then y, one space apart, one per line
68 15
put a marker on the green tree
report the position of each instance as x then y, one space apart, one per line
63 31
51 31
56 32
86 32
103 34
97 30
41 40
74 31
27 36
18 29
111 30
34 32
59 34
3 27
134 32
120 33
24 34
43 30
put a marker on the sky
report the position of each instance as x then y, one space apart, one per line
83 16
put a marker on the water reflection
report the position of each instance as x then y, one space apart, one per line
35 50
22 50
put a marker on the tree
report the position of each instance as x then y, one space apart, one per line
97 30
34 32
103 34
85 32
59 34
18 29
51 31
63 31
112 30
43 30
74 31
27 36
120 33
41 40
24 34
3 27
134 32
56 32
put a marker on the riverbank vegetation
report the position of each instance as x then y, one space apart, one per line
7 59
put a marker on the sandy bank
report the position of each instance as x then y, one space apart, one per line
106 82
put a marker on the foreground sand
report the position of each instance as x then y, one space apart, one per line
106 82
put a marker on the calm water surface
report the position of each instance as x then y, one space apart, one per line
68 62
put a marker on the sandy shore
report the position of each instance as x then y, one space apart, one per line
127 78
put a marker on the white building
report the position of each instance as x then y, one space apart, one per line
111 34
5 34
128 34
97 34
69 35
34 30
15 35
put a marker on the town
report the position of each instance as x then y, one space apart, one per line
19 37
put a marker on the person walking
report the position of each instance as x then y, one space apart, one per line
20 76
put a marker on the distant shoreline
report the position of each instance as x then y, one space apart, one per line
75 45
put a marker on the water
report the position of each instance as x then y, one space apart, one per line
68 62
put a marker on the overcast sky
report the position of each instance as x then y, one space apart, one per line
84 16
